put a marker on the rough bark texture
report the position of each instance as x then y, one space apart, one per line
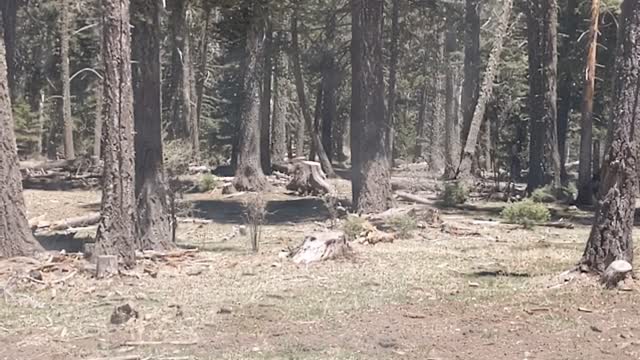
302 99
117 229
393 76
9 17
451 139
471 82
280 105
585 192
308 178
544 158
471 142
155 222
204 55
15 236
370 159
249 175
99 112
265 103
611 234
67 121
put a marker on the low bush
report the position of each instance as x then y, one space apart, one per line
527 213
454 194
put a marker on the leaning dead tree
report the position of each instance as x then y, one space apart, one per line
15 237
611 234
117 228
471 143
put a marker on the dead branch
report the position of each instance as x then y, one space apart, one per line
414 198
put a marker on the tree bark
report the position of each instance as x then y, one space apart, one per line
393 76
9 20
471 142
436 107
15 236
302 99
249 175
265 102
329 103
451 139
117 228
99 113
471 82
317 114
280 104
370 159
69 151
155 221
611 235
420 127
204 55
585 191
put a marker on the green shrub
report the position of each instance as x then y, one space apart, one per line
569 192
177 155
544 194
526 213
353 227
454 194
403 225
207 183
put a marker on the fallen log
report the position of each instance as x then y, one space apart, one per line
308 178
412 184
64 224
322 246
414 198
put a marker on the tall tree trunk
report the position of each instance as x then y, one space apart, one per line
471 83
585 192
280 104
451 139
249 175
317 113
471 142
117 228
329 104
9 20
16 238
204 55
177 95
436 103
566 82
67 121
99 113
370 165
421 140
155 222
393 76
302 99
611 235
265 102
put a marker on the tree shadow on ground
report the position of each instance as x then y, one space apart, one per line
278 211
59 184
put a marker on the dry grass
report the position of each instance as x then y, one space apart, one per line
484 296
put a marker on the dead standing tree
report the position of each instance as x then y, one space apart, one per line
117 228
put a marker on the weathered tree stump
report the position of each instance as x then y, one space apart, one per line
308 178
322 246
616 272
106 266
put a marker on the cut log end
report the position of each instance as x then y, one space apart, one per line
322 246
616 272
308 178
106 265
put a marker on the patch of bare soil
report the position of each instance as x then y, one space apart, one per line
471 289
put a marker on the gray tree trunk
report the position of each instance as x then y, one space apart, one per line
67 121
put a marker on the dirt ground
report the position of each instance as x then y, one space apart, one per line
486 291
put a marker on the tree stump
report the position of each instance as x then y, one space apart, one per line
322 246
616 272
308 178
106 265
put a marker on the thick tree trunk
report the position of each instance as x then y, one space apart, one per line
302 99
585 192
117 229
67 121
15 236
471 83
265 102
611 235
471 142
155 221
451 139
9 20
370 165
393 76
249 175
280 105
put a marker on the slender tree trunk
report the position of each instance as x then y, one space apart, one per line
436 104
117 228
451 140
596 160
316 119
155 222
99 113
420 127
67 121
329 104
280 105
471 142
471 83
302 99
9 20
178 93
265 102
204 55
249 175
369 147
16 238
299 136
585 192
611 235
393 75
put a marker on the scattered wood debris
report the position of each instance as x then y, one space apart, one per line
122 314
322 246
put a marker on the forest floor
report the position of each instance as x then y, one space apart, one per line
492 292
